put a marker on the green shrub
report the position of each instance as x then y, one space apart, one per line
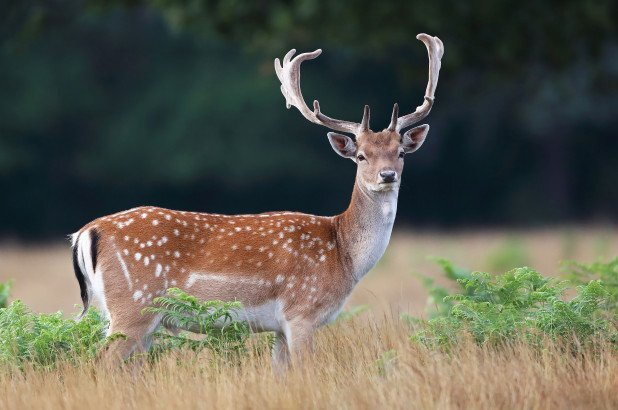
437 302
518 304
607 272
43 339
213 319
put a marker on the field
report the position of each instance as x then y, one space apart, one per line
364 362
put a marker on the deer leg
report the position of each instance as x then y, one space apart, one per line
135 335
299 336
281 353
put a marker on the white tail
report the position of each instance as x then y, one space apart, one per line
292 272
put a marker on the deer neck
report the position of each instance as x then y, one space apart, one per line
364 229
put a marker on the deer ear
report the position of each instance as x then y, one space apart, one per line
342 144
414 138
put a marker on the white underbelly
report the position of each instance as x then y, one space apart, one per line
267 317
262 318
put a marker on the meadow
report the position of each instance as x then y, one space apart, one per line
369 357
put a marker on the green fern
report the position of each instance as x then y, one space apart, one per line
607 272
214 320
519 303
43 339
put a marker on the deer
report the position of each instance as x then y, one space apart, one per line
291 272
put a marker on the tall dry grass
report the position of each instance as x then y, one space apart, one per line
369 362
364 363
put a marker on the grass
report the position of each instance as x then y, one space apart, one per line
358 364
369 358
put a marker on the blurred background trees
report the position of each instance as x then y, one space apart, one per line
107 105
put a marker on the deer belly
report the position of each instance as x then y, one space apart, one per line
260 308
262 318
266 317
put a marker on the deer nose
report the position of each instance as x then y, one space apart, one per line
388 176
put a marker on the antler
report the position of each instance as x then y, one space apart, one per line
435 49
289 76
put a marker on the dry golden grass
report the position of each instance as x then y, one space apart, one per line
351 367
347 371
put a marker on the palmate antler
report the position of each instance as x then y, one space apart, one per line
288 73
435 50
289 76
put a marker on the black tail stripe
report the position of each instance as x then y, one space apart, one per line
94 248
80 277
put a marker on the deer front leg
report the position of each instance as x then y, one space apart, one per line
281 353
295 342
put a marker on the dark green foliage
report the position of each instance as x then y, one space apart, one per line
213 319
518 304
107 105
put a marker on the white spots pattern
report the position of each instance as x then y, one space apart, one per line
137 295
271 243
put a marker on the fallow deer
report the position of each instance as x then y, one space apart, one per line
291 271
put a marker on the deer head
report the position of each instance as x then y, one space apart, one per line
378 155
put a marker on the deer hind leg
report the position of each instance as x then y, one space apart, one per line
135 335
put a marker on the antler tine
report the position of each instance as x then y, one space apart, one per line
394 117
366 117
435 50
289 76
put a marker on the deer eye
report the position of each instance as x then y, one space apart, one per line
402 154
360 157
